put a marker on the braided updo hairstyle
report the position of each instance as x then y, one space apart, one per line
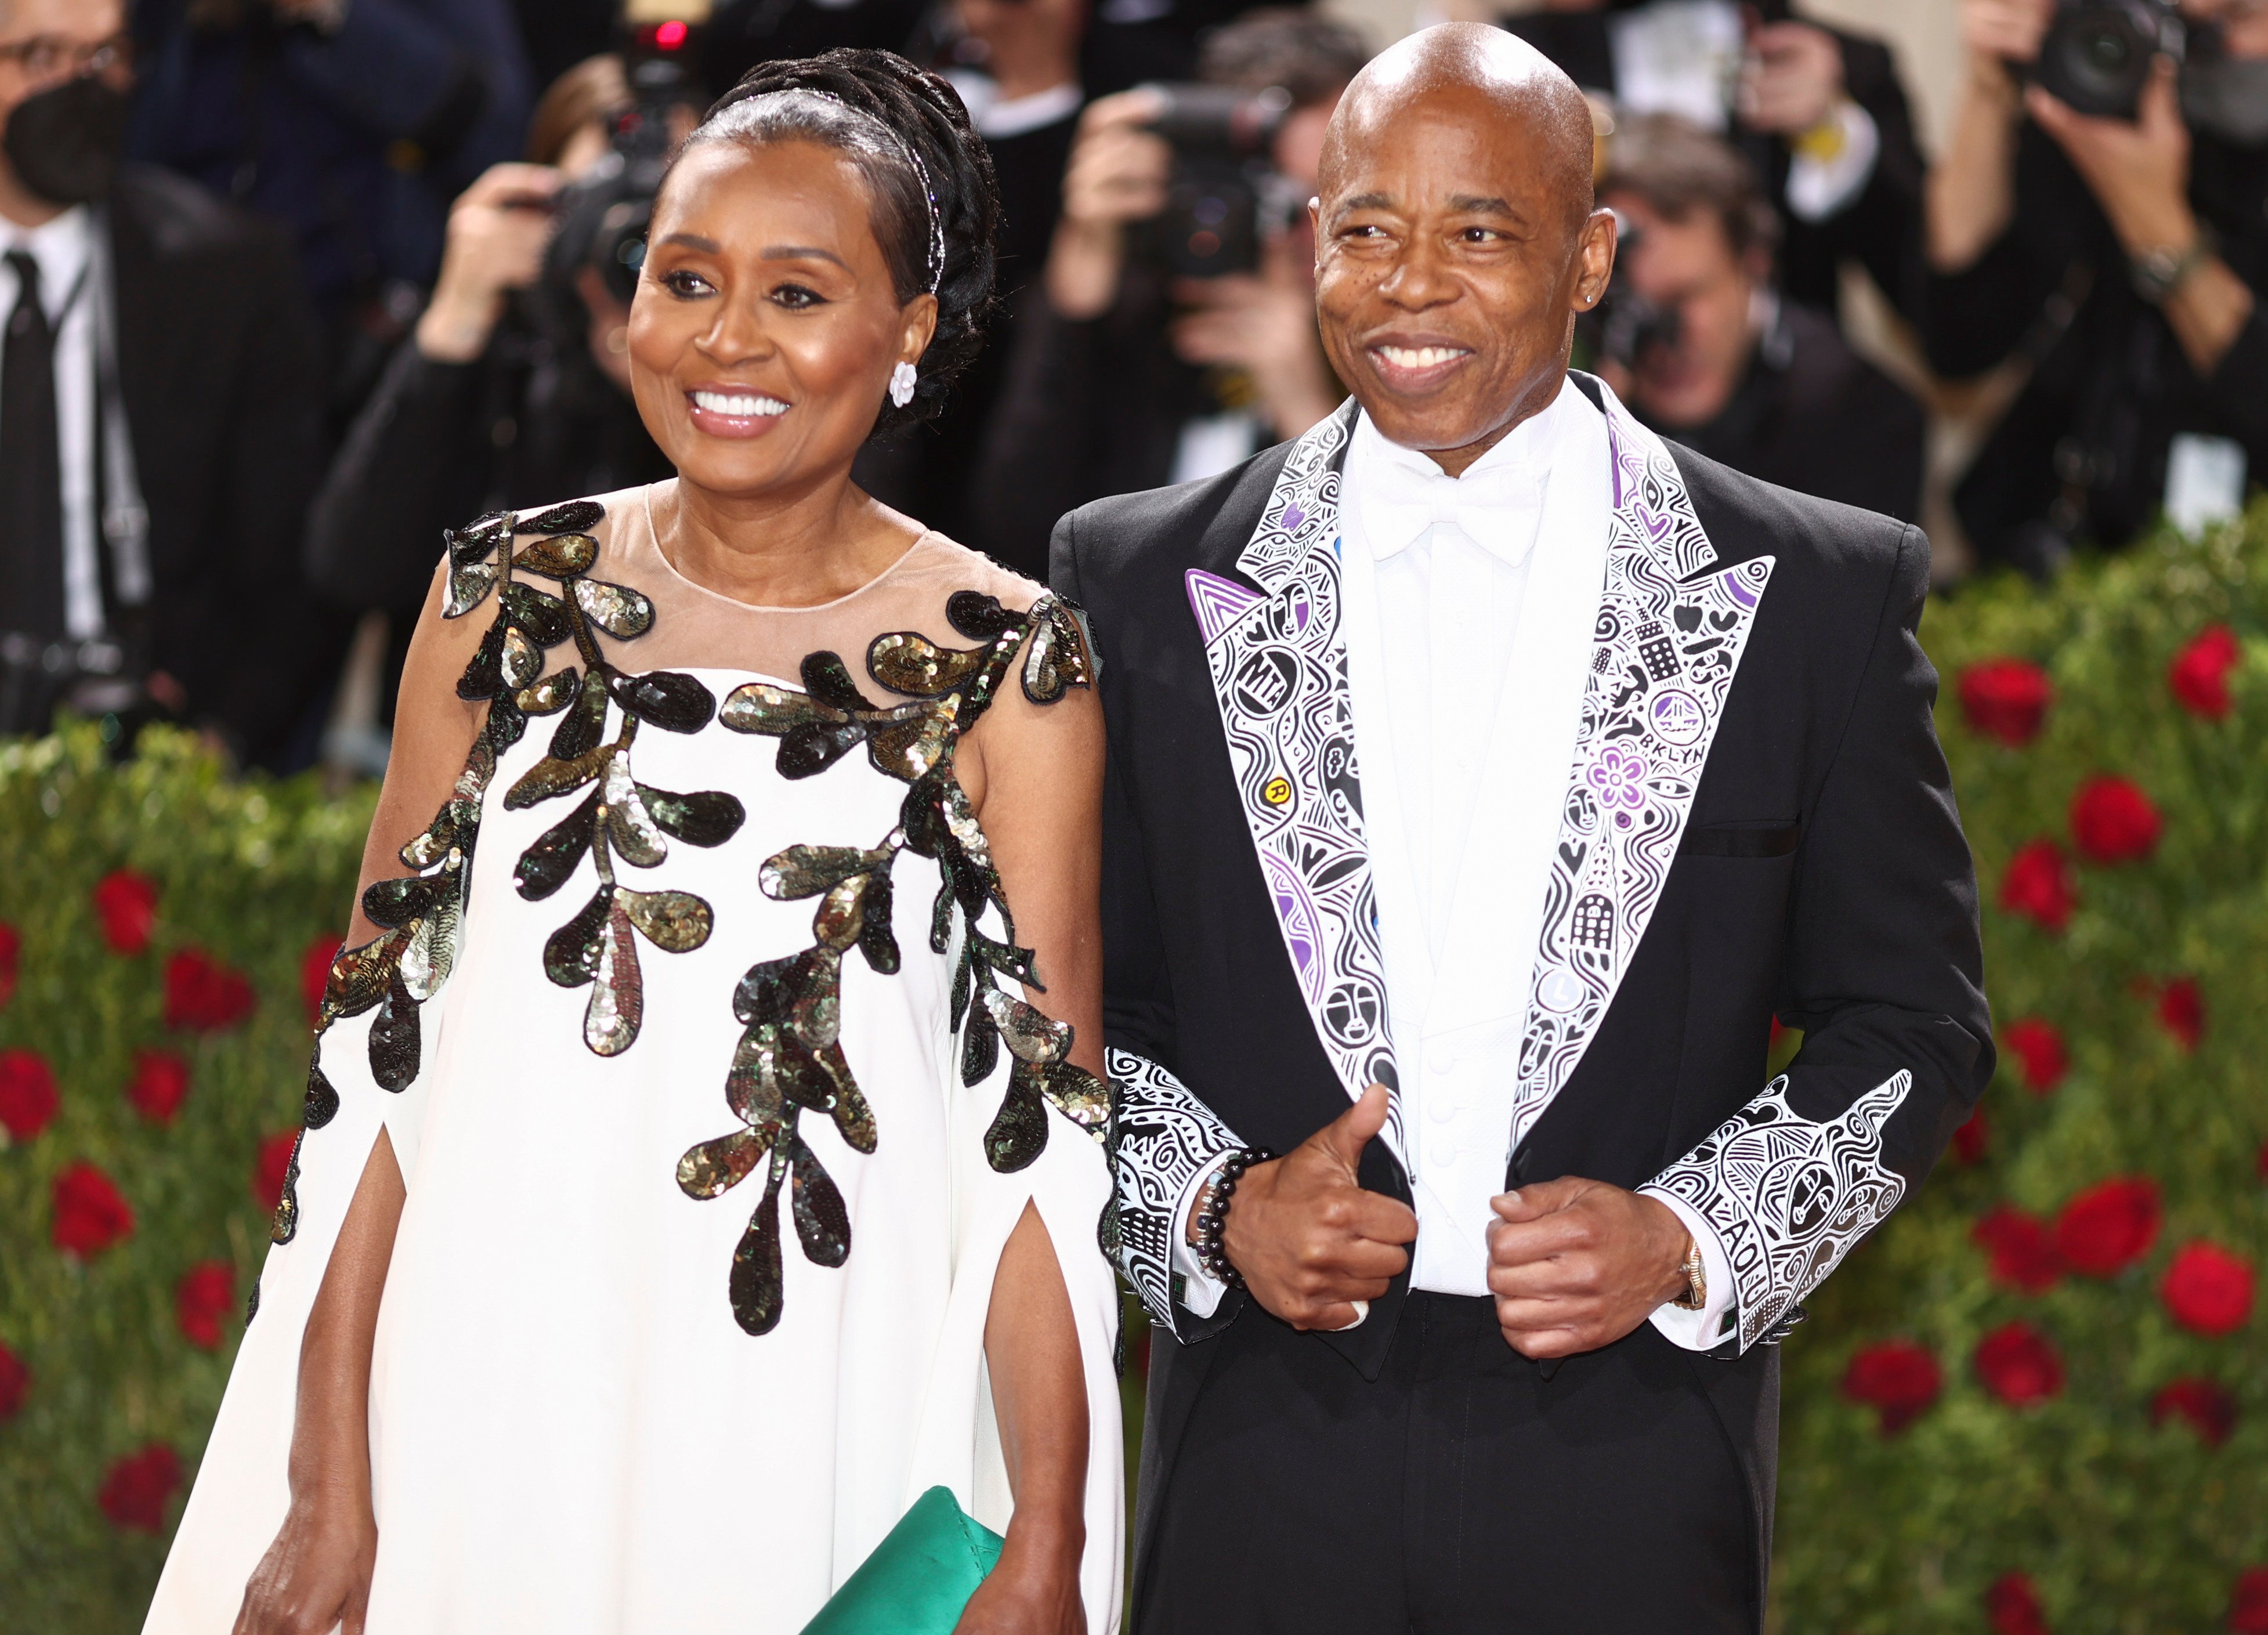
883 114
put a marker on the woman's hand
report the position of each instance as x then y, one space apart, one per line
316 1575
1264 324
1032 1591
497 230
1117 174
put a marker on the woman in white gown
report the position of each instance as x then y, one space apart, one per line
695 1170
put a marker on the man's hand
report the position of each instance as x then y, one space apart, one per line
2009 31
2139 170
1576 1264
1308 1239
1264 324
498 229
1793 79
1116 174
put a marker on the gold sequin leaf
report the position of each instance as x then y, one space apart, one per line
562 556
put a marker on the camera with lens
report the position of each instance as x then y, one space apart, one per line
1625 324
1224 194
2097 53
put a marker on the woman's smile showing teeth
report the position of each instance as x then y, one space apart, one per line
733 413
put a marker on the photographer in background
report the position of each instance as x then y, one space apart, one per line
1701 345
1124 376
503 394
1819 112
2123 253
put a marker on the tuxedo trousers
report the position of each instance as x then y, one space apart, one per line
1466 1491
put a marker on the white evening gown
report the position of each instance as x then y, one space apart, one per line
659 1352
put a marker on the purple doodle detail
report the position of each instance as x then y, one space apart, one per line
1737 588
1218 603
1619 776
1293 516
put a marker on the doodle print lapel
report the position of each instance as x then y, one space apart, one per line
1279 663
1670 632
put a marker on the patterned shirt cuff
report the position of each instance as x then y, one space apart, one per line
1708 1328
1193 1285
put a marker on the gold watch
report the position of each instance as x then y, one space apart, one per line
1697 1281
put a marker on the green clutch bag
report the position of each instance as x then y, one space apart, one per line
918 1579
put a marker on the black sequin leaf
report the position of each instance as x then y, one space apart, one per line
321 1104
1013 962
980 1047
755 1286
979 617
554 693
1057 659
820 1221
675 922
610 1021
828 678
392 902
571 954
1019 1131
1077 1094
576 515
396 1040
666 699
359 976
550 778
540 614
505 722
637 838
709 818
711 1167
478 539
483 676
546 865
286 1225
906 662
803 871
581 728
618 610
469 585
522 660
452 826
876 938
562 556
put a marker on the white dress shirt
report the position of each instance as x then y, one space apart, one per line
1469 605
64 250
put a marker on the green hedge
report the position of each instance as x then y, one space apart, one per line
2055 1484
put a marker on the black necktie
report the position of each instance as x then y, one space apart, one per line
31 467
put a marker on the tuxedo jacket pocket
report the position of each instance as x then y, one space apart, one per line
1740 840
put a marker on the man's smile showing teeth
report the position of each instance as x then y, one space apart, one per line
1420 356
739 405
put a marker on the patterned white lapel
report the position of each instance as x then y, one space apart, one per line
1278 662
1670 632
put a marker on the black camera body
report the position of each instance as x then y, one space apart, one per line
603 217
1224 191
2097 53
1625 323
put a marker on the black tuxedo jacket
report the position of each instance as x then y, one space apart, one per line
218 369
1815 871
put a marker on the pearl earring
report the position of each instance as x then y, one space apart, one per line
902 385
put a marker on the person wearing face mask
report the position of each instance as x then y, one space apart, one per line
2124 259
1729 368
157 414
481 408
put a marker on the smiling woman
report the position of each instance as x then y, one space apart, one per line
520 1362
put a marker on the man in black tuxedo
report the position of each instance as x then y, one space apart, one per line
1481 749
161 411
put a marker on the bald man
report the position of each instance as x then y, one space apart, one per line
1485 774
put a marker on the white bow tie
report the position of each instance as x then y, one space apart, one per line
1496 508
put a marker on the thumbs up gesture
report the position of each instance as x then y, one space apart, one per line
1308 1240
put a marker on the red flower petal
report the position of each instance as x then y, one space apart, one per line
1972 1139
1896 1378
138 1488
2208 1290
2039 1052
205 996
203 1299
2011 1607
28 1093
2112 822
2207 1406
2248 1602
126 908
2181 1011
2198 676
15 1383
2038 885
159 1086
91 1214
274 1163
11 953
315 973
2018 1365
2023 1255
2110 1226
2006 698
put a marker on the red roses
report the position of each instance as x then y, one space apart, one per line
91 1215
2113 822
126 908
2039 1052
2248 1602
159 1086
2011 1607
138 1488
205 996
2006 698
2181 1011
2018 1365
1896 1378
12 954
2023 1255
15 1383
2208 1407
205 1295
2208 1290
2110 1226
2198 676
2038 885
28 1093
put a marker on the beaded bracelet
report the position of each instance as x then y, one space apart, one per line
1212 1217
